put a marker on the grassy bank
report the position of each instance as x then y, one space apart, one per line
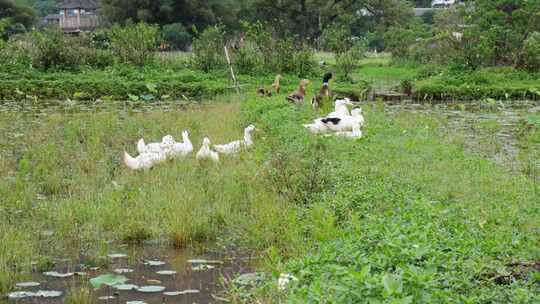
404 215
496 83
65 192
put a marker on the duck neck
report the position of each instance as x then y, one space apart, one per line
247 137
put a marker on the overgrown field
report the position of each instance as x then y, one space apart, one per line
403 215
406 216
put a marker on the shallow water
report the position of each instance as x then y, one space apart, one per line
483 125
203 285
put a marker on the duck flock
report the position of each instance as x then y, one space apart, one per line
155 153
341 123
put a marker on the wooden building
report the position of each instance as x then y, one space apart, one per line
75 15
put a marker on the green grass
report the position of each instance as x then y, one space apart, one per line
498 83
405 215
65 176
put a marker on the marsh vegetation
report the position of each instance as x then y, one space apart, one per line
436 203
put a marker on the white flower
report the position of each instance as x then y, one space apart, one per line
285 279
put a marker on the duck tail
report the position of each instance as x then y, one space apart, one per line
141 146
130 162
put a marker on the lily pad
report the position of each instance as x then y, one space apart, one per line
48 294
202 261
151 288
106 298
117 255
107 279
123 270
154 282
27 284
202 267
125 287
183 292
20 295
249 279
56 274
166 272
154 263
135 302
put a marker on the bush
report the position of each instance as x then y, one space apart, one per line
259 52
346 62
53 50
293 58
208 49
134 44
337 39
531 52
177 36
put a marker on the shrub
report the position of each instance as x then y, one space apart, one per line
14 55
249 58
346 62
134 44
260 52
290 57
177 36
208 49
337 39
52 50
531 52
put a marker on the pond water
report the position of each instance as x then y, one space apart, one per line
491 130
154 275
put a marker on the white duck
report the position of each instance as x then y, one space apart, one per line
166 144
354 134
144 161
181 149
344 123
206 153
235 146
340 108
317 127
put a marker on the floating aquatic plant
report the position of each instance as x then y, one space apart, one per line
56 274
123 270
117 255
125 287
183 292
107 279
27 284
151 288
154 263
202 267
202 261
166 272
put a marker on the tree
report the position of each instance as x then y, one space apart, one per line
505 24
17 17
309 18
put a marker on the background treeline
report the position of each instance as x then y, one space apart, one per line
471 35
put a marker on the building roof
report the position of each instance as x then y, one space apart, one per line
85 4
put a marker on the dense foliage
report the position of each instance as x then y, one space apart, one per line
405 218
15 18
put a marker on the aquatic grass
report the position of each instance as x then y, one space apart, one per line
68 179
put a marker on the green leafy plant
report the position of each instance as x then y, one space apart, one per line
134 44
208 49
